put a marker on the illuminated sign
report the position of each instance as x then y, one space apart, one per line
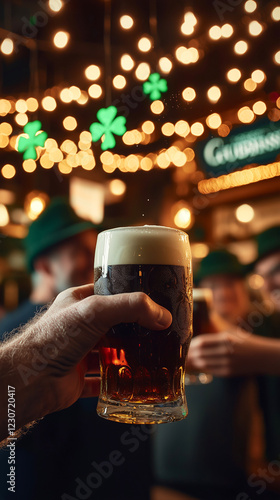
259 143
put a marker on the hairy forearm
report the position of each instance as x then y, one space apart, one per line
29 397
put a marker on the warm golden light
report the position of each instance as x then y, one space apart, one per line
92 72
179 159
7 46
250 85
55 5
4 216
277 57
157 107
32 104
245 213
165 64
258 76
85 137
61 39
21 119
107 158
64 168
189 94
95 91
119 82
75 92
182 218
275 14
259 108
223 130
4 141
250 6
197 129
5 107
6 128
241 47
143 71
65 95
168 129
127 63
255 281
187 29
240 178
69 123
163 160
214 121
190 18
144 44
46 162
199 250
83 99
245 114
233 75
182 128
126 22
214 93
117 187
49 103
21 106
215 33
146 164
255 28
55 155
50 144
29 165
8 171
148 127
226 30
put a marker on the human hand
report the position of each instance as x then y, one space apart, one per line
225 354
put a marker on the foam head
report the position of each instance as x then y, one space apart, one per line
142 245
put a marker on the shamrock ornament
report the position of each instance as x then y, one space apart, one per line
109 125
155 86
27 146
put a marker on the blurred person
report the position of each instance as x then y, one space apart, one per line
70 328
60 253
206 455
237 353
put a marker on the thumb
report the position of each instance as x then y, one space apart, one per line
103 312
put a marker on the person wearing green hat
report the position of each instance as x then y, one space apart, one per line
59 254
55 459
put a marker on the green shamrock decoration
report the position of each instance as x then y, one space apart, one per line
27 146
155 86
108 126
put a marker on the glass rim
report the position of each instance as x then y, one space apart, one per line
146 227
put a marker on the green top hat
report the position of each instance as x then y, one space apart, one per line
54 225
268 242
219 262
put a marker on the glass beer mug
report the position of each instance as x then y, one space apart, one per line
142 371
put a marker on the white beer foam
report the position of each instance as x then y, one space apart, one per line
142 245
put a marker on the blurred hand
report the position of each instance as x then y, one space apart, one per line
223 354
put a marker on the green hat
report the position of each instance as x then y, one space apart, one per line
268 242
54 225
219 262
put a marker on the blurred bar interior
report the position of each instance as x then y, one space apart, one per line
198 86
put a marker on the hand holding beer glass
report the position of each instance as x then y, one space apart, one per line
142 371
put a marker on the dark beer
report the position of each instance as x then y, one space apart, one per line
140 367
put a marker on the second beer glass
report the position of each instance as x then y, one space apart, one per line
142 371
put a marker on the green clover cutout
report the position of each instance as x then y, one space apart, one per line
27 146
155 86
109 125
